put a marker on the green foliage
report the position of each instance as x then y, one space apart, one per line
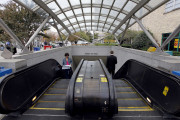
126 45
175 53
141 42
106 44
110 37
20 20
96 35
129 36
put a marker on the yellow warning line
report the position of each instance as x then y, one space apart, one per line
135 110
135 107
130 99
54 94
128 92
51 101
48 108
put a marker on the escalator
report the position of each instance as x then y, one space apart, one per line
137 92
131 106
51 104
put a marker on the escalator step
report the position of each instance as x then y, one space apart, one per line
124 95
131 102
56 91
54 97
50 104
124 89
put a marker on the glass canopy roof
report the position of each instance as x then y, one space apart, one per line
109 16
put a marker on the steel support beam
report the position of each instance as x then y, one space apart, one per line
117 40
124 32
48 10
146 32
55 25
173 34
131 13
9 31
36 32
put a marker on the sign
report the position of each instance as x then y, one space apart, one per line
176 43
166 89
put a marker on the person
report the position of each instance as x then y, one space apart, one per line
111 62
67 62
2 48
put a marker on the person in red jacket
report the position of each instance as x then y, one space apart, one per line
111 62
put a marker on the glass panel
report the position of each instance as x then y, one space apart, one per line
80 18
97 1
88 24
63 3
69 13
95 24
83 29
99 29
123 26
66 22
78 11
107 26
129 6
86 1
74 2
119 3
113 13
59 26
109 20
102 18
153 3
105 11
87 10
121 16
72 20
28 3
116 22
87 17
141 12
88 28
82 24
75 26
101 24
95 10
53 6
112 27
70 27
61 16
132 21
108 2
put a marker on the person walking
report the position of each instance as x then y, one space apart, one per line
67 62
111 62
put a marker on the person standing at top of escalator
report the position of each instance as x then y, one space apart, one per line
67 62
111 62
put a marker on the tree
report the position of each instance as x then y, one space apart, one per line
141 41
129 36
20 20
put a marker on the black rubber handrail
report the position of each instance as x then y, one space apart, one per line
113 106
69 104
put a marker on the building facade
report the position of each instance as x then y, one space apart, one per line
163 20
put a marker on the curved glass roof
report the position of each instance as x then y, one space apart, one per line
109 16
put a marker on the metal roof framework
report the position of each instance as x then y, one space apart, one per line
109 16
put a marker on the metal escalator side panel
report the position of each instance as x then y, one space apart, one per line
69 102
113 104
26 86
